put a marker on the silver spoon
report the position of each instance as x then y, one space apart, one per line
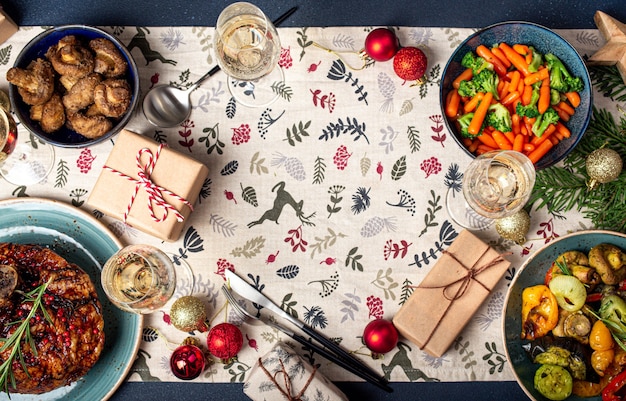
166 106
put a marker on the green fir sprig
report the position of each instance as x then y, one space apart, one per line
607 80
14 342
563 188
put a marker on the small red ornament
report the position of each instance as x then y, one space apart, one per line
224 341
380 336
410 63
381 44
187 361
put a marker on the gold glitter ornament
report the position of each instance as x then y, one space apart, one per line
188 314
514 227
603 165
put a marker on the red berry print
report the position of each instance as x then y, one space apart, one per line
313 66
341 157
379 170
285 60
430 166
154 79
328 261
271 258
252 343
85 160
230 196
324 101
241 134
222 266
375 306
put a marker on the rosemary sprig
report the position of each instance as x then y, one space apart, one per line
23 332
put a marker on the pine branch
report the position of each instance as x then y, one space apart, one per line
607 80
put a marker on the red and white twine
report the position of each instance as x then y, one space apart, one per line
155 192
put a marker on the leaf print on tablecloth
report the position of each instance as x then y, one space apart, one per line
432 209
329 285
396 250
468 355
338 72
430 79
335 199
349 306
319 168
212 134
351 126
324 101
399 169
231 108
266 121
407 107
296 240
289 306
389 135
221 225
447 234
5 54
495 359
62 172
303 41
407 291
385 282
322 243
297 132
256 164
454 178
375 225
438 129
354 260
315 317
288 272
248 194
360 200
251 248
406 201
185 133
414 139
230 168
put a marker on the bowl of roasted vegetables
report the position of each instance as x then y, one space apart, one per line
520 86
74 85
564 326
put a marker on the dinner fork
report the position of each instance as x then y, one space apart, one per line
243 314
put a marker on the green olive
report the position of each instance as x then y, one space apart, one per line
570 293
553 382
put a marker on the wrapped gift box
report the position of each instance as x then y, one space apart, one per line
281 374
120 191
7 26
450 294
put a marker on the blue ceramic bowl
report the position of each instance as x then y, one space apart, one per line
545 41
37 48
532 273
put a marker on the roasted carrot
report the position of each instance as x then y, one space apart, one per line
563 115
487 140
515 58
566 108
503 88
482 148
574 98
529 147
515 78
527 94
518 143
510 98
537 140
473 145
466 75
485 53
536 76
515 123
498 53
510 136
473 102
544 96
452 104
563 130
521 49
501 140
480 114
540 151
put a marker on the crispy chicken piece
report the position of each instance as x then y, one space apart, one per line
81 95
35 84
70 57
109 61
90 126
52 114
112 97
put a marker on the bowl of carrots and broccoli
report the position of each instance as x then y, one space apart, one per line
520 86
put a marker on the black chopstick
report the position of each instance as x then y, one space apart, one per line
363 374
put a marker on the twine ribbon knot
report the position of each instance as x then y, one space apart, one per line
155 192
286 389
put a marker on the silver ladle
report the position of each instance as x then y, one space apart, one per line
166 106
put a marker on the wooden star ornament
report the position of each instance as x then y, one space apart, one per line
614 51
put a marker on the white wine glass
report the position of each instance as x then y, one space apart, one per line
495 185
23 159
247 49
142 278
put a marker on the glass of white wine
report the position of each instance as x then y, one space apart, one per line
140 278
23 160
495 185
247 49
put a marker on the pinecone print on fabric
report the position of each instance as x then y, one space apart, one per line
293 166
387 89
375 225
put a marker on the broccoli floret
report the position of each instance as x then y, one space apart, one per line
477 64
536 62
487 81
545 119
499 118
555 96
560 77
530 110
464 122
467 88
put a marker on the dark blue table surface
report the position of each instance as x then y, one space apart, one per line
556 14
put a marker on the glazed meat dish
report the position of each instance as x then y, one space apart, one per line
70 343
79 85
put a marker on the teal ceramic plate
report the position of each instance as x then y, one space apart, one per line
532 273
81 239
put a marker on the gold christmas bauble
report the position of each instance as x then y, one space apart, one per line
514 227
188 314
603 165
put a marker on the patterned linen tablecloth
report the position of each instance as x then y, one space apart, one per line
331 199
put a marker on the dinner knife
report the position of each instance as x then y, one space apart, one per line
241 287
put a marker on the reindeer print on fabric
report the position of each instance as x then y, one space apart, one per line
283 198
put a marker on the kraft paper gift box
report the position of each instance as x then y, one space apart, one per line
281 374
7 26
450 294
175 177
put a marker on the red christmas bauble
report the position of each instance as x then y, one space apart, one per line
410 63
224 341
381 44
380 336
187 362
